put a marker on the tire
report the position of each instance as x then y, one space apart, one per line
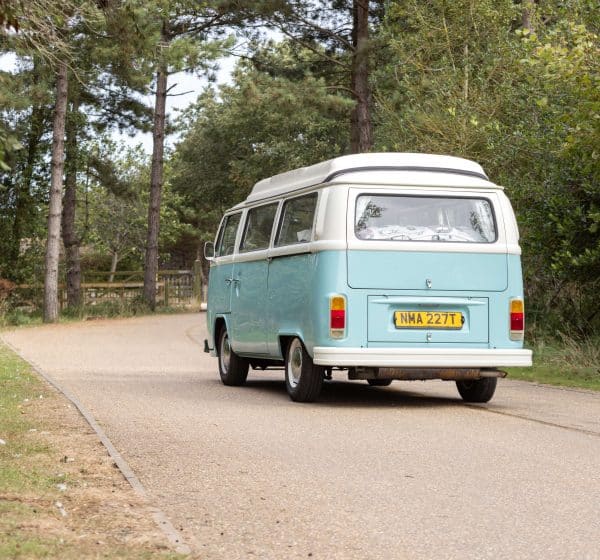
477 390
303 380
379 382
233 369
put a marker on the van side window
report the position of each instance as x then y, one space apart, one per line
226 239
297 220
259 223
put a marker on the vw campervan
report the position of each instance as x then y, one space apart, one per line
384 266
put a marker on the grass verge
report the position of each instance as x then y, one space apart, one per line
566 362
60 494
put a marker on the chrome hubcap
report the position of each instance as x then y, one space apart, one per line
294 365
225 353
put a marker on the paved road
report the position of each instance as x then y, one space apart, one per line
404 472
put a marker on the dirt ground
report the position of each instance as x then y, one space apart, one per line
88 510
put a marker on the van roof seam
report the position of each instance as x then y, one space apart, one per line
407 168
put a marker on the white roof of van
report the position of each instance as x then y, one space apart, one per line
327 171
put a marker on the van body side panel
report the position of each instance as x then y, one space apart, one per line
248 307
289 308
299 290
330 278
219 294
219 287
499 307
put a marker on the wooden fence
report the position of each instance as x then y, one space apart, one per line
175 288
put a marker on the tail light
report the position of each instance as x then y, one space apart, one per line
517 319
337 316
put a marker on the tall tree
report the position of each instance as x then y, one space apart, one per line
43 26
156 175
118 197
70 238
51 304
337 30
183 32
362 124
107 81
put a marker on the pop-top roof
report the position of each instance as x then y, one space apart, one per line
329 170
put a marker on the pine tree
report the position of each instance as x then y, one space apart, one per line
339 32
184 36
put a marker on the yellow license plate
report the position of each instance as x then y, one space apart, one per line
428 320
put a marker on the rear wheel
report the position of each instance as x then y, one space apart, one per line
477 390
233 369
303 379
379 382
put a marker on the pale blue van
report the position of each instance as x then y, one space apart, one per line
378 266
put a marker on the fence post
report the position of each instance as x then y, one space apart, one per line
197 281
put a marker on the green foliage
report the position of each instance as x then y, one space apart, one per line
463 78
24 97
557 194
446 77
466 79
98 99
258 126
564 361
114 208
8 146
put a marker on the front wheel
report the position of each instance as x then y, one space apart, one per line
303 379
477 390
233 369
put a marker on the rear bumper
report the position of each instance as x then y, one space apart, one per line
421 357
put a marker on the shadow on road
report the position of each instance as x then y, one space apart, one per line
352 395
271 392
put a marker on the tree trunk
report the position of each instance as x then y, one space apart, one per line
70 239
114 261
527 15
361 126
55 204
158 139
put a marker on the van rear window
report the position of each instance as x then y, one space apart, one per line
424 218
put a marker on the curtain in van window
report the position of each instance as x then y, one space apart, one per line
424 218
361 205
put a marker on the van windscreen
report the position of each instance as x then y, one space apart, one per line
424 218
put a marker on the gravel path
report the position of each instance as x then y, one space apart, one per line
407 471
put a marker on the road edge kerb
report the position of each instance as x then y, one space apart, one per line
158 516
